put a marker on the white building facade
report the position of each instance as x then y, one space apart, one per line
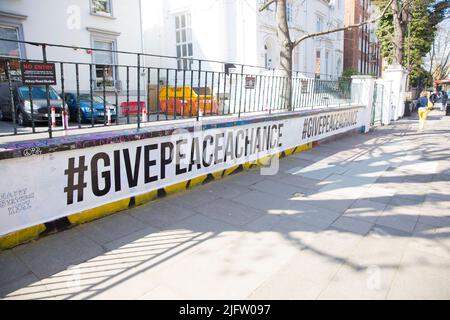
102 24
236 32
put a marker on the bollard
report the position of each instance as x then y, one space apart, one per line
65 119
53 115
108 116
144 115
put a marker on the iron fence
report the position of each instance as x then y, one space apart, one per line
152 88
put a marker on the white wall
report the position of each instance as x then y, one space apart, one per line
66 21
235 31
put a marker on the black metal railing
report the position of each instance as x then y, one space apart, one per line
150 88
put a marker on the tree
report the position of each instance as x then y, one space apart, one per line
440 55
287 45
407 31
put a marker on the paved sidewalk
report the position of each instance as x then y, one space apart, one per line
366 216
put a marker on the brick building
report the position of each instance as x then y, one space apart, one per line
361 47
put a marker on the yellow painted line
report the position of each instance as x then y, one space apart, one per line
249 165
146 197
304 147
98 212
218 174
230 170
288 152
197 181
175 188
15 238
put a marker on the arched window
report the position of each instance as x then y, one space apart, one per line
268 54
338 67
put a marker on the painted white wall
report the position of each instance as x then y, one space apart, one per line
237 32
66 22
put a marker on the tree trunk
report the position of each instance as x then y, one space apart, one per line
398 41
285 52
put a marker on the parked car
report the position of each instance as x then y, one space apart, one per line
22 105
86 107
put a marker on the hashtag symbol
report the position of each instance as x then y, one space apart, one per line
70 173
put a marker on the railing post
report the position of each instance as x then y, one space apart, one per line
91 94
104 96
198 94
77 80
240 94
44 58
11 96
64 111
128 95
30 96
138 90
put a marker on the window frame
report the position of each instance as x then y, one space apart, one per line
19 47
14 21
289 12
115 71
320 18
318 62
184 61
103 14
9 20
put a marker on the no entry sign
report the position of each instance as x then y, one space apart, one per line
35 73
250 82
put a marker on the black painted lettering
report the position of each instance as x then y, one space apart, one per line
166 157
132 175
148 163
106 175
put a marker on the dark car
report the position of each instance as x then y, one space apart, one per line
22 105
89 110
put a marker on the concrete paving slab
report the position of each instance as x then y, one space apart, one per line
161 213
12 268
230 212
276 188
353 225
57 252
396 220
106 230
365 210
422 277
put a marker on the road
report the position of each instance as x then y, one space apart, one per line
362 217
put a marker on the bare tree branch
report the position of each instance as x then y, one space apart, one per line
357 25
266 5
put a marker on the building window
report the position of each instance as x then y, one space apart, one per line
267 56
327 62
339 34
9 48
318 63
289 12
319 24
184 41
104 64
338 66
101 7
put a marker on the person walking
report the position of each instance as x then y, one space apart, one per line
438 101
422 108
433 97
444 100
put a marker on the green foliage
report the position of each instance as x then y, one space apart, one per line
345 79
418 40
348 73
